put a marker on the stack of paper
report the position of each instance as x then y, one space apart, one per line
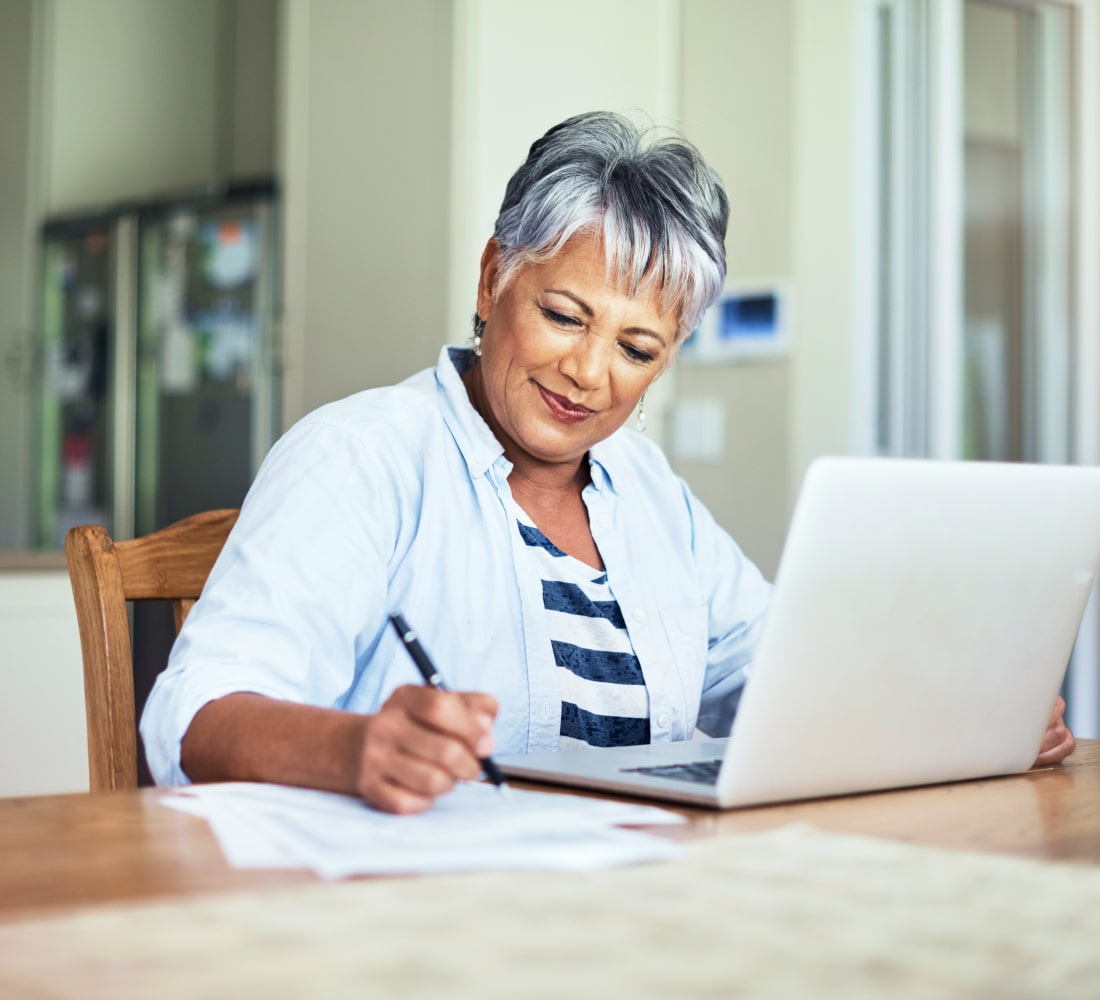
474 828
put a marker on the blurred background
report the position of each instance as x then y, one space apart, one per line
216 215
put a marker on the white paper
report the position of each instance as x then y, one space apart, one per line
474 828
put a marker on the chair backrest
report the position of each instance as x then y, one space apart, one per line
169 565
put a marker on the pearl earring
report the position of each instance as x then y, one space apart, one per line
639 417
479 327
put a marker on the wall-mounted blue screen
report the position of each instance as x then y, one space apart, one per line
744 316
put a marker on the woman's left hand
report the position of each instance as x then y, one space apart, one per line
1058 741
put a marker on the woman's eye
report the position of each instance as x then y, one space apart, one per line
636 354
559 318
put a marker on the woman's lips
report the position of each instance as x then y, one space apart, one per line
562 408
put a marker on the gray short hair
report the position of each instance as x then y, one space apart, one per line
659 207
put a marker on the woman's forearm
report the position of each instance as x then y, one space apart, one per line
249 737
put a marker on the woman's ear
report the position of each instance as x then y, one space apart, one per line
487 281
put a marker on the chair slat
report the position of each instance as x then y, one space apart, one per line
175 561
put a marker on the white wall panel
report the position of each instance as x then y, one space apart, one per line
43 735
364 153
131 103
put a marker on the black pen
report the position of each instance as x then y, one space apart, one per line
433 678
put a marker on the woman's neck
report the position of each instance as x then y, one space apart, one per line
548 482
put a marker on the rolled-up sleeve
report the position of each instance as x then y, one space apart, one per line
283 610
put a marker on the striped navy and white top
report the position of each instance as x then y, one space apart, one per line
604 698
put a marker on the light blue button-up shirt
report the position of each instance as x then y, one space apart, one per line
397 499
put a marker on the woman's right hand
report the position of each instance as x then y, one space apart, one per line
420 744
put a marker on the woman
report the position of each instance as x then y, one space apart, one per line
568 584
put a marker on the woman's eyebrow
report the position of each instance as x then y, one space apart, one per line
581 304
645 331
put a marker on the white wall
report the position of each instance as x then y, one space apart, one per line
830 205
147 98
365 162
131 107
737 108
43 734
247 113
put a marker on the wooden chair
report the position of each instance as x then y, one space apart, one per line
169 565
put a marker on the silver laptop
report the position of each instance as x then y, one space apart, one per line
921 624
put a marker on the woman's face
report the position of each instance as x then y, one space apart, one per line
565 358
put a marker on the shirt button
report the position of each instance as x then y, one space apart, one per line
662 720
639 615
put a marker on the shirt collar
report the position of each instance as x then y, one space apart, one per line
604 457
476 441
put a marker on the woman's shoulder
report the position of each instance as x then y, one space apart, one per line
409 403
396 419
398 427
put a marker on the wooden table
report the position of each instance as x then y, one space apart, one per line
1051 813
61 852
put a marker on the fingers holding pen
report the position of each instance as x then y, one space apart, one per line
484 709
420 744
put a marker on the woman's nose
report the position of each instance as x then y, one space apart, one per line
586 364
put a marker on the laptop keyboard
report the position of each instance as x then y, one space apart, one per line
702 772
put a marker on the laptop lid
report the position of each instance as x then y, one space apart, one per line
923 619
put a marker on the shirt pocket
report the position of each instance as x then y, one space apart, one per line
685 630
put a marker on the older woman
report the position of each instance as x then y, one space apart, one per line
567 582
